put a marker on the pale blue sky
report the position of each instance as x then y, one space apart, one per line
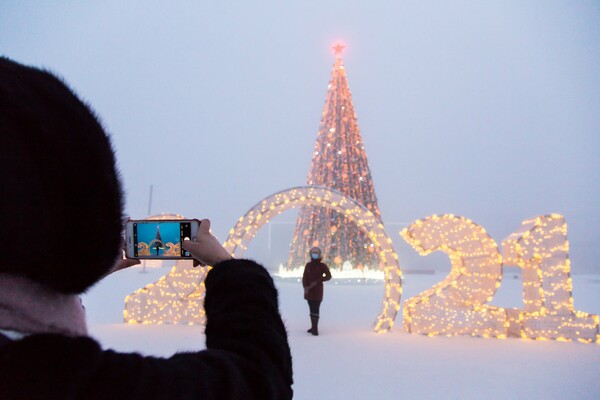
484 109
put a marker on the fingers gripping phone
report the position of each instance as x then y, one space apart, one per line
159 239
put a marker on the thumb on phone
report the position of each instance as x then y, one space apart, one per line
205 247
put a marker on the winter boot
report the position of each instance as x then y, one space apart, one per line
314 319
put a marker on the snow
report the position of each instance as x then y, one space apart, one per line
349 361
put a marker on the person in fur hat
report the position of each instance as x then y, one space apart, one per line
315 273
60 192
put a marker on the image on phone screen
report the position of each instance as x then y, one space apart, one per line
160 238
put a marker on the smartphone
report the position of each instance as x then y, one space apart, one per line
159 239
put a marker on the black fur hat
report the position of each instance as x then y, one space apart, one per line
60 194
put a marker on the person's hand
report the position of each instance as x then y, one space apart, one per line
310 286
124 263
206 249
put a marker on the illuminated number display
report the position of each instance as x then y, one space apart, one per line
459 304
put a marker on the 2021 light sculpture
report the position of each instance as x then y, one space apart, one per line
458 304
176 298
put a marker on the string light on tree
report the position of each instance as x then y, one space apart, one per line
339 162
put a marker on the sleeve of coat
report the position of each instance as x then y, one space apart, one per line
305 282
247 354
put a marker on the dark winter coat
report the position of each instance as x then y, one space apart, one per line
315 273
247 354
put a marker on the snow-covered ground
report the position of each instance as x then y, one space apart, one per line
349 361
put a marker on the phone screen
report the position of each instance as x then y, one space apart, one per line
158 239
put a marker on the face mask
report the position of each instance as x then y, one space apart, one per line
314 256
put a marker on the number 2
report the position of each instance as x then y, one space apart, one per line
458 304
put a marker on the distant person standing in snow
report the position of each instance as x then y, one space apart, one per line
61 207
315 273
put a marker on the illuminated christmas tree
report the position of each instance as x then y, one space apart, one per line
338 162
157 243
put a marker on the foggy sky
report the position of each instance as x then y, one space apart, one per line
485 109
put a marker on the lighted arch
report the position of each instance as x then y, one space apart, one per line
249 224
176 298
